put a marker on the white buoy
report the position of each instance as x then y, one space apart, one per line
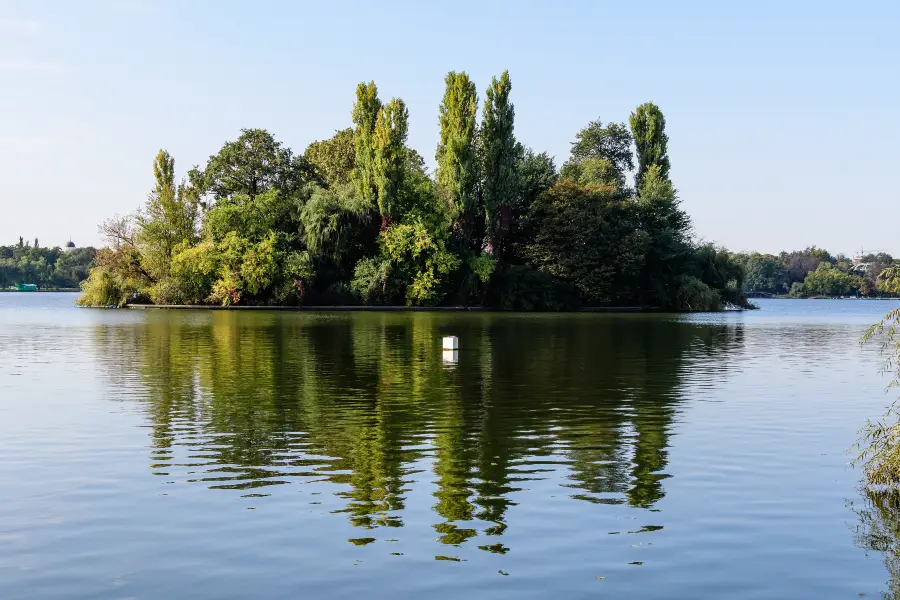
451 342
450 357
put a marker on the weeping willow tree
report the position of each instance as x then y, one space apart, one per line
879 441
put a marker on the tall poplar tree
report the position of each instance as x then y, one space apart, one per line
499 158
648 127
365 115
456 154
390 156
168 219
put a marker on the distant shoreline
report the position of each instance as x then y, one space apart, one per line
67 290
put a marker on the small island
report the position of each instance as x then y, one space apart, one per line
358 220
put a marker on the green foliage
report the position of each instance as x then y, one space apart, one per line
800 262
192 276
243 267
334 223
669 251
482 266
765 273
695 295
889 281
253 164
365 116
798 290
827 280
879 441
589 239
102 288
499 157
390 156
600 156
456 155
372 282
537 174
594 171
44 267
333 160
496 224
251 217
522 287
721 271
648 127
419 257
168 219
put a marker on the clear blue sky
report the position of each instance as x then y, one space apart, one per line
782 116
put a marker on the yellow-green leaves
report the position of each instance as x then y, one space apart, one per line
365 115
456 156
389 143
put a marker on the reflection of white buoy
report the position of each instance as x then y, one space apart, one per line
451 342
450 356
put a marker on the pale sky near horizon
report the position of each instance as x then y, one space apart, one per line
782 116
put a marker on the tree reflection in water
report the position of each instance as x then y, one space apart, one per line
364 401
878 530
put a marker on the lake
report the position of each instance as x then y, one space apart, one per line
228 454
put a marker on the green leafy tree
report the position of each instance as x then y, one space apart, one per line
496 224
888 281
334 225
334 159
600 156
252 217
456 155
722 273
44 267
765 273
168 220
668 230
391 156
251 165
365 116
826 280
537 174
499 159
800 262
590 239
420 254
879 442
648 128
798 290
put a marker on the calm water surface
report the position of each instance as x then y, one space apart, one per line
198 454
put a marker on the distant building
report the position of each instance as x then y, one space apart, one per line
70 245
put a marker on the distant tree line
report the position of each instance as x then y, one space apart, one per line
816 272
357 219
25 262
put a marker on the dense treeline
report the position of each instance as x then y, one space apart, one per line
816 272
357 219
25 262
